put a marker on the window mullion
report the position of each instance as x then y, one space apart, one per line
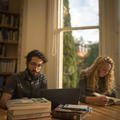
77 28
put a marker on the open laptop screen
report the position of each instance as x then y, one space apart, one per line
61 96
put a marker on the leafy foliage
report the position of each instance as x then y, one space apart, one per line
70 70
92 54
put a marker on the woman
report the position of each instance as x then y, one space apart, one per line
99 77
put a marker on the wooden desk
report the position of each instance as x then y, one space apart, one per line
104 113
3 114
98 113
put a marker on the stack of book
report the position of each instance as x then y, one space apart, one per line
29 109
71 112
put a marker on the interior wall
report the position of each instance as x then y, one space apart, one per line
118 45
33 28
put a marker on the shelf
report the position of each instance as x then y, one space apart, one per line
8 12
5 73
9 27
9 42
13 58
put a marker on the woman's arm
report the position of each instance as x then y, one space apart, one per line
97 100
86 95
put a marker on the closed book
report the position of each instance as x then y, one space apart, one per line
40 118
1 81
68 114
77 107
29 111
28 103
30 116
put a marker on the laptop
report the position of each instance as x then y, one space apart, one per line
61 96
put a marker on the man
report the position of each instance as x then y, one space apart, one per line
27 83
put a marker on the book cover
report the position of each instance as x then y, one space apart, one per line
40 118
1 81
77 107
0 66
29 111
28 103
30 116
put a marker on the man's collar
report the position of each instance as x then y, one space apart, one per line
31 77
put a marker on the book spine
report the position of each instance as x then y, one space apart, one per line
66 116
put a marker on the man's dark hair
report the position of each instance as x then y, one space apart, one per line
36 53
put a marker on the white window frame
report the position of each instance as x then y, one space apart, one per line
108 40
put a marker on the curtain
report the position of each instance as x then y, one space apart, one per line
52 48
109 34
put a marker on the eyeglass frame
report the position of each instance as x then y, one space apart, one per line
33 64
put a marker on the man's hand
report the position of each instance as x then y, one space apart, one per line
3 100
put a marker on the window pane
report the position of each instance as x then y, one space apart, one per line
82 12
86 36
87 46
80 48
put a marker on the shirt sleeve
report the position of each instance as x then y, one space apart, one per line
113 93
10 85
82 86
44 83
84 91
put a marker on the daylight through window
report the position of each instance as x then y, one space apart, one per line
78 26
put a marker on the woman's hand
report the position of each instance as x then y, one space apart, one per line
101 100
97 100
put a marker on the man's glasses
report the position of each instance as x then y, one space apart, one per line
36 65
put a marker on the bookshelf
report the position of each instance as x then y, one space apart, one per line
9 37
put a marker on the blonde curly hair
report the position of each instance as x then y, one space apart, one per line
92 74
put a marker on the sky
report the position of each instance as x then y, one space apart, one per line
85 13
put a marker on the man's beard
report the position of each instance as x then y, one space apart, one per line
33 73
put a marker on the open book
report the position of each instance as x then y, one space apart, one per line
112 100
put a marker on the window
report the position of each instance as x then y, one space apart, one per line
78 29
